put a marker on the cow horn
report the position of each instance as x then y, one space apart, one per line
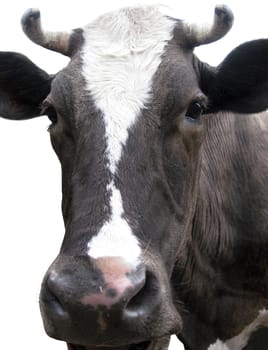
222 23
32 27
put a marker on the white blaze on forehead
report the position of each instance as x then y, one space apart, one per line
121 54
241 340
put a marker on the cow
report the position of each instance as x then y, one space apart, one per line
164 181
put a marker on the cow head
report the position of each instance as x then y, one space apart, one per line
127 126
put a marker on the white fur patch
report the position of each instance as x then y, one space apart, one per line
219 345
121 54
115 237
240 341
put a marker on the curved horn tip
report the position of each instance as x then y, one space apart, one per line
30 19
224 15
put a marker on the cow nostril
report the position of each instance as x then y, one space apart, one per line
51 302
145 299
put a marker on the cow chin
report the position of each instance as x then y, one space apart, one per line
157 344
141 346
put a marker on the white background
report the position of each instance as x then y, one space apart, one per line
31 227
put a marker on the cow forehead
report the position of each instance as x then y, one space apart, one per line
121 54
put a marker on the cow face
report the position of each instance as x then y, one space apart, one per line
113 138
126 124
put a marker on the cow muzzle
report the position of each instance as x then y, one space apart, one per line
105 302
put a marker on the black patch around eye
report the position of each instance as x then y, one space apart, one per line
195 111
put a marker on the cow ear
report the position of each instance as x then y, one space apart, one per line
240 82
23 87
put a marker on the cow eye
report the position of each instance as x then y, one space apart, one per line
195 111
52 115
50 112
